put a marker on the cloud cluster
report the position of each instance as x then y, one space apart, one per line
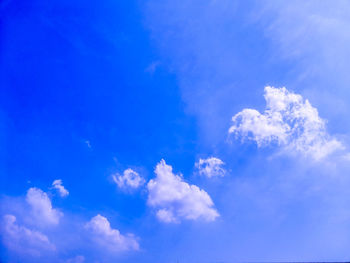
57 184
129 180
35 236
210 167
26 239
22 240
288 121
109 238
176 199
173 199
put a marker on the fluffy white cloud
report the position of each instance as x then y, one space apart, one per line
41 206
176 199
210 167
110 238
129 180
288 121
57 184
24 241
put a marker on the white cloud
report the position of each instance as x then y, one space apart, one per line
176 199
288 121
210 167
57 184
129 179
42 208
110 238
24 241
166 216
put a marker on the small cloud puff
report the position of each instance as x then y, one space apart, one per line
176 199
22 240
129 180
110 238
57 184
41 207
88 143
210 167
288 121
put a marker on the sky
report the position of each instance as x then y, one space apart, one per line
174 131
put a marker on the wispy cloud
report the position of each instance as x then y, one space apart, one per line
210 167
129 180
58 185
312 37
76 259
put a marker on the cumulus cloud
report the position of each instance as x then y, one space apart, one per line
41 207
32 231
210 167
176 199
57 184
109 238
129 180
288 121
24 241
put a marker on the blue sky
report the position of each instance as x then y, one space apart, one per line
174 131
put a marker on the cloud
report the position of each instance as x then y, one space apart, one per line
33 231
41 207
313 40
88 143
210 167
176 199
303 44
24 241
313 35
77 259
129 180
110 238
210 70
152 67
57 184
288 121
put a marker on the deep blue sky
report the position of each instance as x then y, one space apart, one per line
74 73
90 89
